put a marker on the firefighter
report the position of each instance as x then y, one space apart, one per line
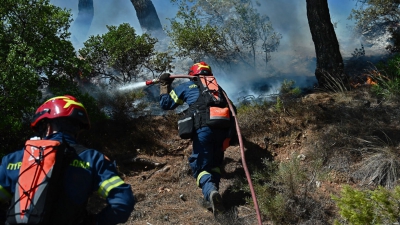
208 143
62 118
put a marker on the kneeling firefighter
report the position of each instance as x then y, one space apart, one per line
210 138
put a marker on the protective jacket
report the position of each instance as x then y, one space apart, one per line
186 92
89 172
208 154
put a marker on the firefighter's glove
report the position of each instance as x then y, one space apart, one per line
165 79
165 83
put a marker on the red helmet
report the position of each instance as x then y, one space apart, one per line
61 106
200 68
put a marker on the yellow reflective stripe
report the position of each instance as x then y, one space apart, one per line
175 98
199 177
4 195
215 170
108 185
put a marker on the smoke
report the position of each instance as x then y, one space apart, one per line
294 59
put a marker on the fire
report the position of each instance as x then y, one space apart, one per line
370 81
363 80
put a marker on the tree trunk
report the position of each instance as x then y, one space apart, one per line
148 18
84 19
330 68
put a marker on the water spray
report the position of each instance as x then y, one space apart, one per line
253 194
133 86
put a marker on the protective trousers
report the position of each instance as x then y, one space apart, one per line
207 158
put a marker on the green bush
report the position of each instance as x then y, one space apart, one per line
122 105
363 207
282 191
387 76
288 88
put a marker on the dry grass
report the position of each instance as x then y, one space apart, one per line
381 165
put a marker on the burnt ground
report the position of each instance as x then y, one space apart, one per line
335 128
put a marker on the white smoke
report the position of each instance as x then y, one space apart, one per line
295 58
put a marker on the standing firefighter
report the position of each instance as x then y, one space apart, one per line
52 178
207 122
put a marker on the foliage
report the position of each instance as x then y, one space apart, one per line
281 188
373 13
288 88
225 32
379 206
121 56
122 105
387 76
279 107
358 52
34 46
375 16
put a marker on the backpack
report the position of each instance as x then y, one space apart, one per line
211 109
39 181
217 113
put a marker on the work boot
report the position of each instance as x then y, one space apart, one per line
216 203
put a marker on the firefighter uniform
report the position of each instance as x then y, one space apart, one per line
89 172
207 155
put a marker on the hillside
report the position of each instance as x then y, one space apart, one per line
332 135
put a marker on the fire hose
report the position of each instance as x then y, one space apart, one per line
253 195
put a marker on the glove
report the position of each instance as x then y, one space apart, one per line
165 79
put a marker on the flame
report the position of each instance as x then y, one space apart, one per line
370 81
365 79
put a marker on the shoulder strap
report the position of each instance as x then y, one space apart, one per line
79 148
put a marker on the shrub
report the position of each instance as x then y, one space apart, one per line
282 191
387 76
381 166
379 206
288 88
122 105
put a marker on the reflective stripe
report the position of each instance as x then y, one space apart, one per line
4 195
184 120
175 98
108 185
215 170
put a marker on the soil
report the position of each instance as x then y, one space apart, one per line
166 193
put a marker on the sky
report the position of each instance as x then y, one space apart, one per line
295 55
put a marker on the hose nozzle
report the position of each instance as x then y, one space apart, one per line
154 81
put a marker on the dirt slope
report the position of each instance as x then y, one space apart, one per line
153 159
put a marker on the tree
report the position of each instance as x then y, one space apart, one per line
375 17
84 19
121 56
330 68
148 18
228 32
34 46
